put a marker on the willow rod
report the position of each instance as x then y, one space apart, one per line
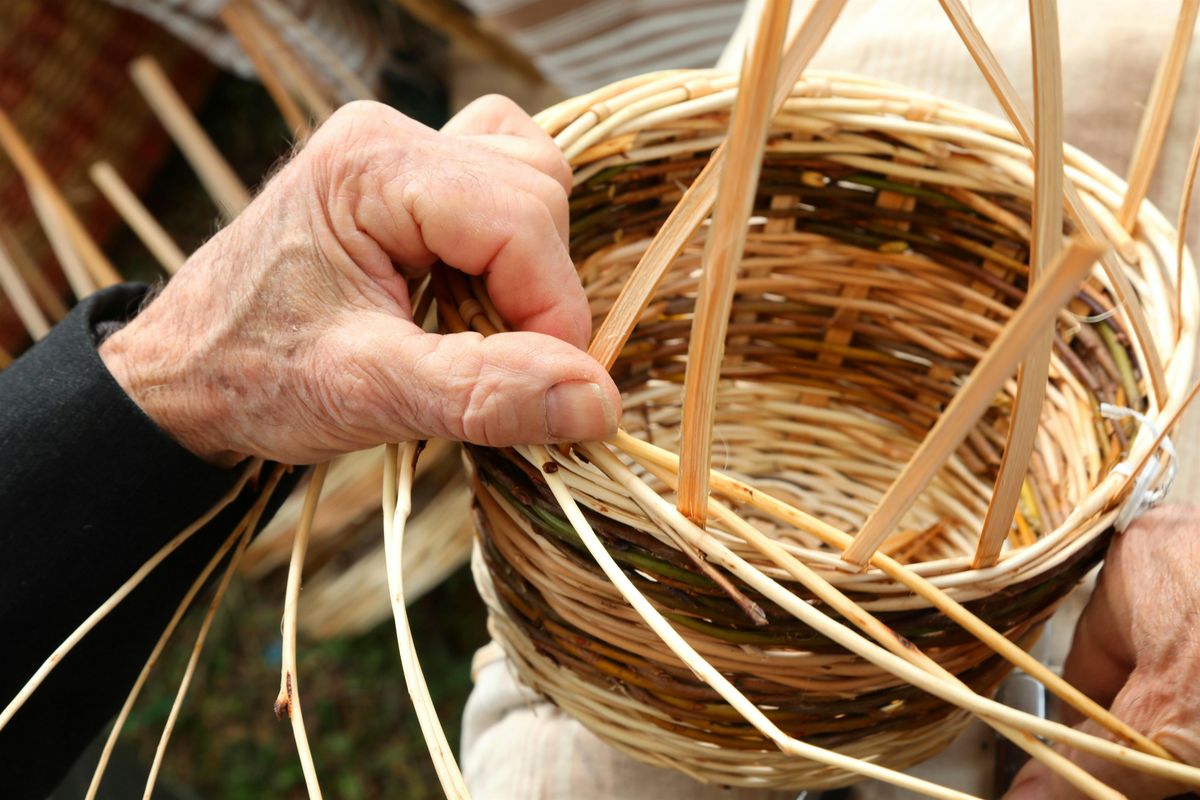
329 58
21 297
219 179
1185 206
293 71
235 17
115 732
248 525
115 599
137 217
1047 242
738 183
47 296
464 29
884 635
686 653
691 210
1041 305
43 190
288 700
835 537
398 470
1006 95
1157 117
664 513
79 278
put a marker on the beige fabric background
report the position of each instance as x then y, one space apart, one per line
516 747
346 28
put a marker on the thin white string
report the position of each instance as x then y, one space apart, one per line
1148 490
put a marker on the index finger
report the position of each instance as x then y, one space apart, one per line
497 116
493 113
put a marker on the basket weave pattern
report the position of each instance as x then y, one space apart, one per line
890 244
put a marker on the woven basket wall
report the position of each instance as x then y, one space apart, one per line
890 244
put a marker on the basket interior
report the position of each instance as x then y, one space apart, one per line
862 305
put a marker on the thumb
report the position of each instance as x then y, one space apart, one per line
1138 704
399 382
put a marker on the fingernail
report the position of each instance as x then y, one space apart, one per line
579 411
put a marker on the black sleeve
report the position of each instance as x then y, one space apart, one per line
90 488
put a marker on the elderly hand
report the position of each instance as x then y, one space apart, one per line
289 335
1137 650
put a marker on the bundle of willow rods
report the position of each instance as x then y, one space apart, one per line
888 247
345 587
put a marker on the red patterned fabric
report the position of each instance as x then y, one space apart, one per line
63 81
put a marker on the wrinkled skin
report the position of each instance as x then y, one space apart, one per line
1137 650
288 335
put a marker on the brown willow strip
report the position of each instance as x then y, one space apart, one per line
696 202
1047 242
738 184
1153 129
218 177
1007 96
45 194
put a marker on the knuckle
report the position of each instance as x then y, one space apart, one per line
549 190
479 417
347 124
481 406
358 113
456 367
529 211
363 127
497 108
557 167
356 396
1162 707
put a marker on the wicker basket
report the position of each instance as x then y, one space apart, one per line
890 245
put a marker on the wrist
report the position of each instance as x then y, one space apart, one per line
155 370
